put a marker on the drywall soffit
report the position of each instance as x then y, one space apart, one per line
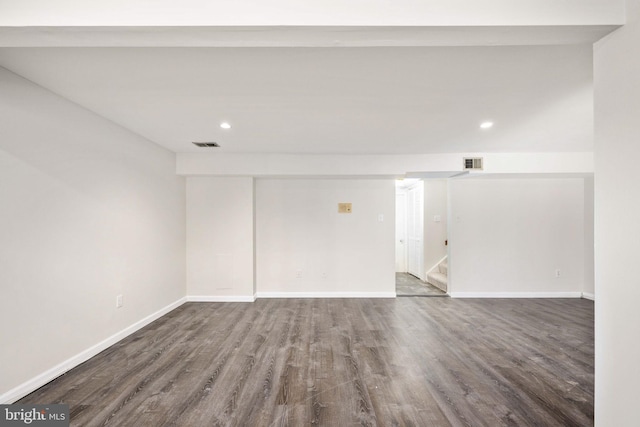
293 36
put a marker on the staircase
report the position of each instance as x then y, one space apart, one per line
438 276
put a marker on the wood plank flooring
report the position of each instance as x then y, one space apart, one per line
343 362
410 286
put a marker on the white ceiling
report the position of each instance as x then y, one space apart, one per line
350 100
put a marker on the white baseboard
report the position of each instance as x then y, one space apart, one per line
516 294
587 295
230 298
326 295
53 373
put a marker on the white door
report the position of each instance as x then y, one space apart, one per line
415 219
401 231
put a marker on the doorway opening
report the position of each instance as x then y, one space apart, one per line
421 237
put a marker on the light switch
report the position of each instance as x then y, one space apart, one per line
344 207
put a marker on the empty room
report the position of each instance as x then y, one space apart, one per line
206 207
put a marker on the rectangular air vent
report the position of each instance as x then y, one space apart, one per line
206 144
472 163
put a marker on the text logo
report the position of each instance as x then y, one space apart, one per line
34 415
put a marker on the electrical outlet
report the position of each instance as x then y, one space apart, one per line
299 274
558 272
119 302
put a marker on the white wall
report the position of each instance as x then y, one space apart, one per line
435 233
299 229
310 12
589 263
509 236
88 210
617 223
220 241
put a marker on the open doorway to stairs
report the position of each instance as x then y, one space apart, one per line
421 237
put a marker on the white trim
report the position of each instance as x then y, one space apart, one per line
53 373
516 294
221 298
587 295
326 294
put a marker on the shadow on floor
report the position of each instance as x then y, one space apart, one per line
410 286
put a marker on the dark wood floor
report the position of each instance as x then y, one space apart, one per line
410 286
344 362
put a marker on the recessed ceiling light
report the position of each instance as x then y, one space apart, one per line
225 125
486 125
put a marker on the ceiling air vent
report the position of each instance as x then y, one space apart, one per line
472 163
206 144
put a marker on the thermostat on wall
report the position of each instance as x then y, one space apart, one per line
344 207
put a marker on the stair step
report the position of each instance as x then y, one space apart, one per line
438 280
443 267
